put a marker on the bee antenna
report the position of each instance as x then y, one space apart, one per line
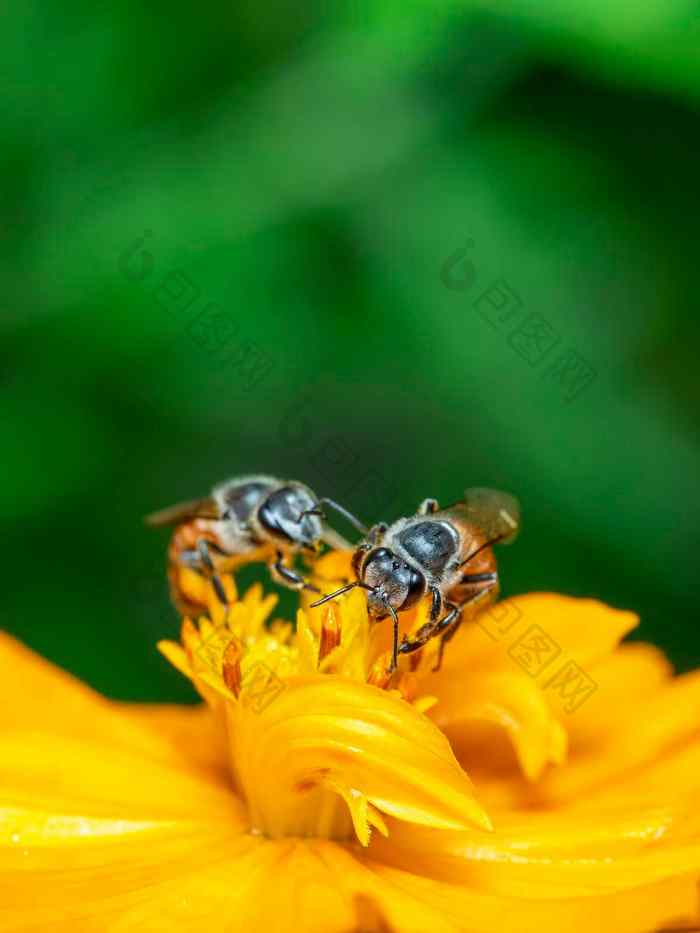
343 589
395 640
348 516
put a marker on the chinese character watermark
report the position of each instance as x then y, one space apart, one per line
259 686
539 655
573 685
499 619
210 328
331 458
534 650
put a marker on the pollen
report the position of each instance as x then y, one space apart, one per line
330 632
379 674
231 667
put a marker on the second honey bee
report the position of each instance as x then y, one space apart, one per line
247 518
444 553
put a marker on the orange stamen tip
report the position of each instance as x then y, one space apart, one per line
330 632
408 686
231 666
187 629
379 675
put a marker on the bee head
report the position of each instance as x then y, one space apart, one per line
281 516
391 583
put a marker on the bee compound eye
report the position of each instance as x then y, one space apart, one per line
416 588
272 516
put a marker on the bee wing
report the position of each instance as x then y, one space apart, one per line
496 513
183 512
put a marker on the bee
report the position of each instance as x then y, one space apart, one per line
247 519
444 553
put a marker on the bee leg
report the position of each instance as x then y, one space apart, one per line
490 577
373 538
394 646
425 632
357 557
431 629
287 576
428 506
436 605
203 549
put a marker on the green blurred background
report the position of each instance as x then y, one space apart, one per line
390 249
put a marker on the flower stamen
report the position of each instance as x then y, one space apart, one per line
231 666
330 633
379 674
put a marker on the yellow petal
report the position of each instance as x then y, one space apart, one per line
286 886
564 629
508 699
192 883
657 756
128 881
639 910
71 776
629 677
192 735
321 729
556 855
662 722
333 568
39 695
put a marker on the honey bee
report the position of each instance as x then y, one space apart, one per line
247 519
446 553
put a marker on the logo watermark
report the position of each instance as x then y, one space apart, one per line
538 654
259 685
210 329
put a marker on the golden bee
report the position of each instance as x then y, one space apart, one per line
444 553
246 519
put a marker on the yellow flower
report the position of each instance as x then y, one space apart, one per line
310 792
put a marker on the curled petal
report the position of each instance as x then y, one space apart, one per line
509 700
323 736
653 755
663 722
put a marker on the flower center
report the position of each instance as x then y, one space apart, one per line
291 752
